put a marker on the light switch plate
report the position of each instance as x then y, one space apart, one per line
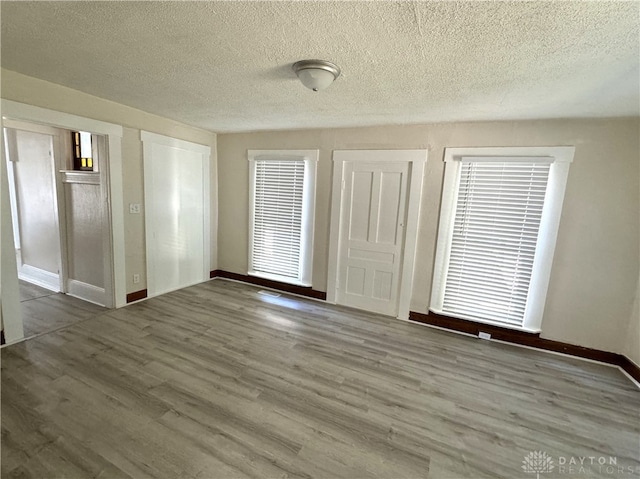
134 208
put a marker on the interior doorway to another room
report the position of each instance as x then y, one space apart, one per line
59 201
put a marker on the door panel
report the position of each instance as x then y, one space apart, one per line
374 200
85 233
355 280
361 198
390 191
382 284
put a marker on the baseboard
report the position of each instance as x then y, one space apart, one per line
631 368
267 283
473 328
136 296
523 338
39 277
514 336
86 292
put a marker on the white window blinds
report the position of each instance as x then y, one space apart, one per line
277 217
282 218
495 233
499 222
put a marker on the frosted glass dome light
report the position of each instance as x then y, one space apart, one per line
316 75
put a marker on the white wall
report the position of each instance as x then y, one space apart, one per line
25 89
596 263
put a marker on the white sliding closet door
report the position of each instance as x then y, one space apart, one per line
176 187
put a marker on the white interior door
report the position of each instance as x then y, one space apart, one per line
375 208
34 204
176 184
373 221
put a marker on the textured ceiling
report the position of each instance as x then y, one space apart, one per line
226 66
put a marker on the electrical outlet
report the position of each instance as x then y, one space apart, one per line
134 208
482 335
136 278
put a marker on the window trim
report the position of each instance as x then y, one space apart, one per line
560 158
310 158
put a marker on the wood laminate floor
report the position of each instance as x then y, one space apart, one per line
219 381
44 310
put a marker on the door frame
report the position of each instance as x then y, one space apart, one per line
111 183
416 160
148 140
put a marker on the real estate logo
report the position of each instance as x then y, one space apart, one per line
537 462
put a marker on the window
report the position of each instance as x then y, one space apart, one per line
82 148
499 221
282 185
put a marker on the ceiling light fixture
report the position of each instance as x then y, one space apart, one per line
316 75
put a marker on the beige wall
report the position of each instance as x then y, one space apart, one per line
40 93
595 268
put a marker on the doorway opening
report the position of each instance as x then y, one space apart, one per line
59 199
